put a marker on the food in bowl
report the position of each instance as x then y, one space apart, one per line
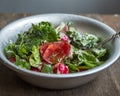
59 81
55 49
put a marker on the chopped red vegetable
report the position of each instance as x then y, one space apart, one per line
55 52
60 68
64 37
13 59
35 69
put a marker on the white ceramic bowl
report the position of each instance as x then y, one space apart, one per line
55 81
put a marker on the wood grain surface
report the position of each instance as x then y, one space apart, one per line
106 84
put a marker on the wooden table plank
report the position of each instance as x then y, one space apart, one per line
106 84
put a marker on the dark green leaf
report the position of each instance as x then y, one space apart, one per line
46 31
47 68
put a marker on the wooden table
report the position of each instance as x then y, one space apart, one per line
106 84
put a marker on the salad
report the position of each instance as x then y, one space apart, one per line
55 49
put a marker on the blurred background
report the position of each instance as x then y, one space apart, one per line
60 6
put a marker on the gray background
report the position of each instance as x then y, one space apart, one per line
60 6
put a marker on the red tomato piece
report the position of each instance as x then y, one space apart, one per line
34 69
55 52
13 59
43 48
60 68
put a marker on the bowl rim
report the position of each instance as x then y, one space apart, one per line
84 73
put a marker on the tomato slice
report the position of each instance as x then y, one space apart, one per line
55 52
43 48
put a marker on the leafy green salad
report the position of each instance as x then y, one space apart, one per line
55 49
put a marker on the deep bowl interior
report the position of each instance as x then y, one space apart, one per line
83 24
